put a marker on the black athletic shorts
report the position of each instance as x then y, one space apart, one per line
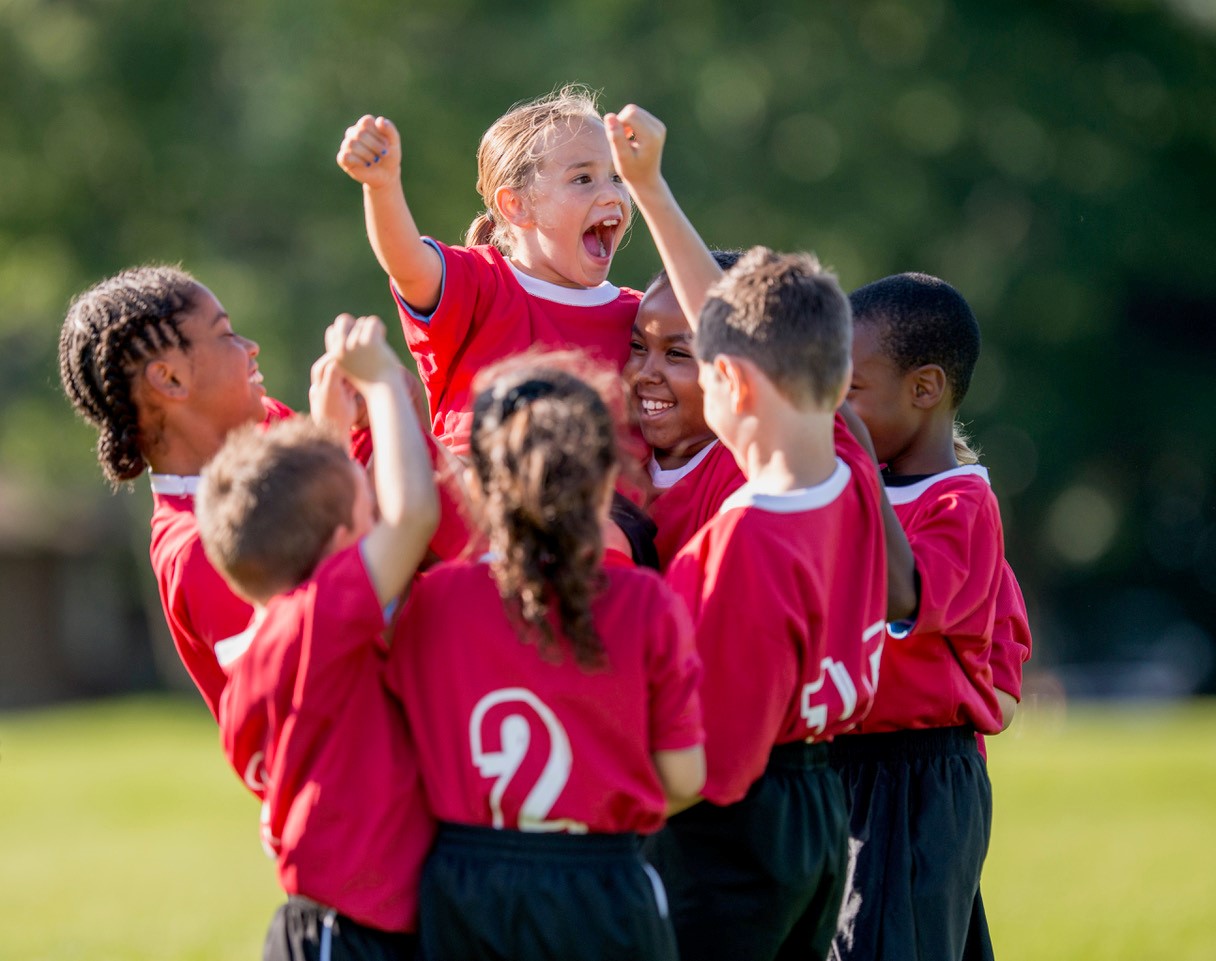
498 895
303 930
920 819
761 878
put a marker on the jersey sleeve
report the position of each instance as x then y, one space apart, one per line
343 617
959 549
436 341
675 677
209 613
1011 640
747 658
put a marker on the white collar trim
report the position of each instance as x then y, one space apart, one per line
795 501
174 485
230 649
910 493
663 479
605 293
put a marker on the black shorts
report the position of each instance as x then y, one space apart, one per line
761 878
303 930
920 819
498 895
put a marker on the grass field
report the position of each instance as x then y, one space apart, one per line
123 837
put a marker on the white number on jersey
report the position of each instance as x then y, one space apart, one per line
501 735
816 702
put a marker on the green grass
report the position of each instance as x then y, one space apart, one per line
124 837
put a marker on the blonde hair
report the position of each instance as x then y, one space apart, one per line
511 150
964 452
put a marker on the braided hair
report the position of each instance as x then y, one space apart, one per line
109 330
543 448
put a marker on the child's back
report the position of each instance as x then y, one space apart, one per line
555 700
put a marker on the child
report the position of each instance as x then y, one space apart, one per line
534 271
690 471
558 696
149 357
288 520
758 869
920 796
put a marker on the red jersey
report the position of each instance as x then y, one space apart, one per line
1011 641
518 740
200 608
308 726
788 594
488 310
939 674
688 497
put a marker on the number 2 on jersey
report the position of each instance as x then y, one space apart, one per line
508 731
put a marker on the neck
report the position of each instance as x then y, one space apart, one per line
183 449
930 451
788 449
680 454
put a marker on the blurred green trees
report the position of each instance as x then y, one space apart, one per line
1054 161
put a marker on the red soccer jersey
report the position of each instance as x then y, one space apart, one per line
689 497
788 594
308 726
512 739
939 675
1011 641
488 310
199 606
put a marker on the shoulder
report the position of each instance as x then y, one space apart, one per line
962 488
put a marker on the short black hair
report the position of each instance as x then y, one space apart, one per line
923 320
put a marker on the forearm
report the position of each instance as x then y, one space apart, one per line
690 266
395 239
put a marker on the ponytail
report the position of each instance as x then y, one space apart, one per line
481 231
964 453
543 450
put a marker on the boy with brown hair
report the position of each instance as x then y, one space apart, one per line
289 521
757 870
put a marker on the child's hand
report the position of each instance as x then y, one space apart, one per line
636 140
331 397
371 152
361 351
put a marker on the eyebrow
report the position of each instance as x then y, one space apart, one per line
222 315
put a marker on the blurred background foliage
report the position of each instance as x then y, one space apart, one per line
1055 161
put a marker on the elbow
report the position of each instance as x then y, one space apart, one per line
682 782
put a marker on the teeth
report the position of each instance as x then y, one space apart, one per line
655 406
603 249
610 223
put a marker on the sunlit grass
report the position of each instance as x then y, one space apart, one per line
124 837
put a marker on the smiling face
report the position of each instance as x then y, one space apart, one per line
881 395
662 377
224 381
575 211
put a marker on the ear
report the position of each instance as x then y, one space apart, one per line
513 207
165 377
928 384
738 375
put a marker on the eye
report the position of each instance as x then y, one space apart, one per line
616 179
637 347
679 354
582 179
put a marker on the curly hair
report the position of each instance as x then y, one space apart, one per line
108 331
543 449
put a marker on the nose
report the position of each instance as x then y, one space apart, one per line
251 346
